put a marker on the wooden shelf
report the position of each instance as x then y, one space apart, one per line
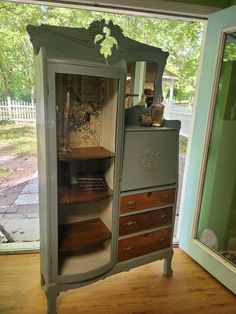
82 235
86 153
72 195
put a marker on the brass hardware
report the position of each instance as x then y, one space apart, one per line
161 240
130 224
131 204
129 248
165 198
164 216
149 194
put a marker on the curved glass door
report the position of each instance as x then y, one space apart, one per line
86 125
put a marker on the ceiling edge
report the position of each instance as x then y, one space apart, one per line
151 8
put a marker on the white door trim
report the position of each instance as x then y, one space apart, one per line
219 24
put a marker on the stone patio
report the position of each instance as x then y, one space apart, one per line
19 211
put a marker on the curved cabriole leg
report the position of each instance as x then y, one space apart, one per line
51 292
167 264
42 281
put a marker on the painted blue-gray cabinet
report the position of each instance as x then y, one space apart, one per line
149 157
107 189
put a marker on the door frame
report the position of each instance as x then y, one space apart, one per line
191 177
157 9
219 24
179 11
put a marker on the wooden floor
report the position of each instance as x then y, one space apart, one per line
142 290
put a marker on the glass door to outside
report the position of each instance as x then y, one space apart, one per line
208 231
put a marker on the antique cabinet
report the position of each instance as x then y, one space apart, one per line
148 189
107 186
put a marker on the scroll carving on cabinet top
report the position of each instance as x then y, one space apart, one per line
103 42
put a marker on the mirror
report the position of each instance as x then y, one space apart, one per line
217 220
140 83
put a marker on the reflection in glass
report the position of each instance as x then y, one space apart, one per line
141 76
217 221
86 123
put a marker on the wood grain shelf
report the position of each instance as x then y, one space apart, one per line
86 153
81 235
72 195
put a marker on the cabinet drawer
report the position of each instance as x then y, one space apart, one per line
147 220
145 200
143 244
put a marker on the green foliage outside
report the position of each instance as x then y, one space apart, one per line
183 143
4 172
180 39
18 139
230 47
6 122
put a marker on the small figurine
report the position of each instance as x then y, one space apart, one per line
145 119
157 112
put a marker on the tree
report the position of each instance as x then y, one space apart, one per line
180 39
16 61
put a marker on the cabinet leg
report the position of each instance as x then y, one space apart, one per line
51 292
167 264
42 281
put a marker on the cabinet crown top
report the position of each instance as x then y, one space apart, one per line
86 44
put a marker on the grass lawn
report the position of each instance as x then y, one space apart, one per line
4 172
16 140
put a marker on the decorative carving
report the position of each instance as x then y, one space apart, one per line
90 44
106 42
108 33
149 160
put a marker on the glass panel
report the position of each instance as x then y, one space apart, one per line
141 76
86 123
217 222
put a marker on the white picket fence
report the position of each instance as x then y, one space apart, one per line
24 112
184 114
18 111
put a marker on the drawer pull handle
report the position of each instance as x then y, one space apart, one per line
163 217
129 248
165 198
160 240
132 204
129 224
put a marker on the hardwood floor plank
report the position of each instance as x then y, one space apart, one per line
143 290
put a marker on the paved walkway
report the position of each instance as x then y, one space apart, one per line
19 211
